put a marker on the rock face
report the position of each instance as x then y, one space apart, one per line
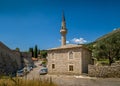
11 60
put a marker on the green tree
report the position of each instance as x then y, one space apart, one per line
31 50
43 53
17 49
109 48
39 51
35 51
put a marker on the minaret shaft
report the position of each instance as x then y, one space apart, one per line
63 40
63 31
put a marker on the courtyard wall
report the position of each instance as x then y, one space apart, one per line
105 71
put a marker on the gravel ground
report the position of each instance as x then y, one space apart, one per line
65 80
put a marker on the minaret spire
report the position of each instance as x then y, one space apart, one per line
63 21
63 17
63 30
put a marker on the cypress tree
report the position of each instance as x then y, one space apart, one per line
35 51
31 50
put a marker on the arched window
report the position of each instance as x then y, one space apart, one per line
70 55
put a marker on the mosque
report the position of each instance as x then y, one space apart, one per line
68 58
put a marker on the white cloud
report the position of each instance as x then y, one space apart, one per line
66 41
59 40
78 40
114 29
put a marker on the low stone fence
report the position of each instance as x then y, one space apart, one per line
104 71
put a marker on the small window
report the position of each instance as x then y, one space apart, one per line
70 67
53 66
71 55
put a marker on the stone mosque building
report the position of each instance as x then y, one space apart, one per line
68 59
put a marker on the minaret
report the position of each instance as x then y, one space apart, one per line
63 30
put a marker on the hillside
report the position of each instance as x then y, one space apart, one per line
111 34
114 34
107 47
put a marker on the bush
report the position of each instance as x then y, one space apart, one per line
44 62
23 82
103 61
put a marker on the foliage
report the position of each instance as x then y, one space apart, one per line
35 51
44 62
43 53
103 61
31 50
107 47
38 51
90 45
17 49
23 82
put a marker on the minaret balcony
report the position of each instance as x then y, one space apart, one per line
63 31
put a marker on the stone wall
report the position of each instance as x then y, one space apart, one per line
105 71
61 60
8 64
27 58
16 56
12 60
60 57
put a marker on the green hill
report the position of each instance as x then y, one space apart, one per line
114 34
107 46
111 34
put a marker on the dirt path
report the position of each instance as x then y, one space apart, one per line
64 80
34 74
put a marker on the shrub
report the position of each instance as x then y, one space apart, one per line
24 82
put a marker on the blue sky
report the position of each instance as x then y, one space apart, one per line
24 23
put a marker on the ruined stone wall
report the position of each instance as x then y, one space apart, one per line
16 56
12 60
7 63
105 71
27 58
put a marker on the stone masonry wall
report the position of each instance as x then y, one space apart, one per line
61 60
12 60
8 65
27 58
104 71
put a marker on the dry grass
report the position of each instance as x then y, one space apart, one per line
23 82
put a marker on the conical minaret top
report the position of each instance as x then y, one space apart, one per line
63 30
63 21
